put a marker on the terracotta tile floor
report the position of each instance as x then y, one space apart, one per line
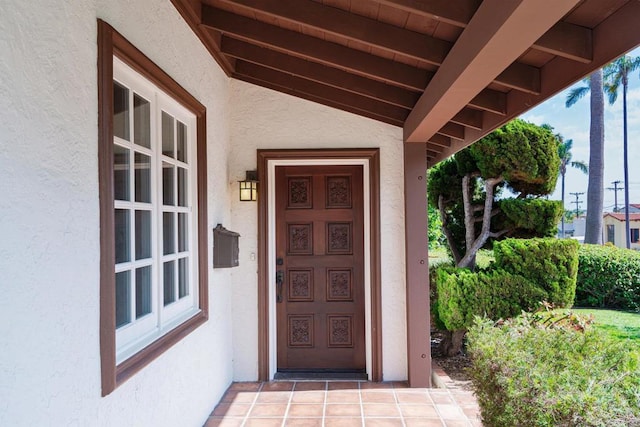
342 403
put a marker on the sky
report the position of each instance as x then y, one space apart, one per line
573 123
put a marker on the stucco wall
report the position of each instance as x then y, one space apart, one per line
49 220
261 118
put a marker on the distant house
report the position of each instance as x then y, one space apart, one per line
614 228
574 229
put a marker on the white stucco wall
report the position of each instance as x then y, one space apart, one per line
49 220
264 119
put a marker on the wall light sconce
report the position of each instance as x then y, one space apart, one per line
249 187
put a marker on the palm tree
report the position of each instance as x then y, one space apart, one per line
617 73
564 152
595 189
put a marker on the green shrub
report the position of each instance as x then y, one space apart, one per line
433 291
525 272
550 263
462 295
538 216
532 372
608 277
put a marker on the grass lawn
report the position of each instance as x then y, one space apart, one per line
619 324
439 255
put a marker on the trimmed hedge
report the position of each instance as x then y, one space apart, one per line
532 372
539 216
608 277
550 263
525 273
462 295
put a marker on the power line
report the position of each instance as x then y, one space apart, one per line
615 188
577 202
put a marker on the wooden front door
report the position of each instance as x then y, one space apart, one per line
320 268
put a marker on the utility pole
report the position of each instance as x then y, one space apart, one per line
615 189
577 202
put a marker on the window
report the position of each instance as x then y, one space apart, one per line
635 235
611 234
153 213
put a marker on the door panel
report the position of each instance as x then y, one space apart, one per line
320 252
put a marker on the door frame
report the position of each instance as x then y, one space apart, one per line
369 158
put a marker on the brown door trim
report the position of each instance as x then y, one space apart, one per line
372 155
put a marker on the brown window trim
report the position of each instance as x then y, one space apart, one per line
110 44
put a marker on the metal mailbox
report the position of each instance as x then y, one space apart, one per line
225 248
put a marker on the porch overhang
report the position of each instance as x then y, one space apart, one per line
447 72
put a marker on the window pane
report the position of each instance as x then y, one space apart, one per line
182 142
183 230
167 134
169 282
143 234
120 173
120 111
141 121
143 178
122 229
183 277
168 197
123 298
168 229
182 187
143 291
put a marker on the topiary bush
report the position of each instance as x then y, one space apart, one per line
463 294
608 277
538 217
536 371
433 292
525 273
550 263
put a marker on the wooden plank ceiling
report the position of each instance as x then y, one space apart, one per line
448 72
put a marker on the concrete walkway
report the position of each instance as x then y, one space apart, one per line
343 403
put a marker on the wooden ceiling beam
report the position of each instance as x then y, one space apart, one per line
569 41
353 27
319 73
612 38
311 48
496 36
469 117
377 34
457 13
337 96
490 100
520 77
453 131
440 140
431 152
563 39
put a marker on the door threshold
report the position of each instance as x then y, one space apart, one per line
320 375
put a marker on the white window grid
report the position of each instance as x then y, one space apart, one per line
138 333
